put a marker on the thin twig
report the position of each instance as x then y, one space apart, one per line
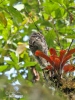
70 45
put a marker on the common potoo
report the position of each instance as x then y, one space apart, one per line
37 42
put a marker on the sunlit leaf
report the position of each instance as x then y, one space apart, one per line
3 19
14 57
3 67
15 14
70 36
50 7
50 37
5 34
30 64
66 2
59 13
58 1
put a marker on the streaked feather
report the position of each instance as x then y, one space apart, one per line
37 42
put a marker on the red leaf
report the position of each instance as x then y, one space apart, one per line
57 63
65 60
62 54
68 68
70 52
52 51
48 68
52 57
67 56
41 54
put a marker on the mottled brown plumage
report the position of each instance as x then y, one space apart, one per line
37 42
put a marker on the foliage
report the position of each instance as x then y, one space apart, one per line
55 19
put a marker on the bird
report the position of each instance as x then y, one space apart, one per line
37 42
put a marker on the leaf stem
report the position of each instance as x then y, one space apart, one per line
70 45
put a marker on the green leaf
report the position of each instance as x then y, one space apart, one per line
66 2
10 62
58 1
50 37
5 34
12 2
3 67
30 75
60 23
13 64
15 14
29 64
59 13
26 57
3 19
70 36
14 57
49 7
67 30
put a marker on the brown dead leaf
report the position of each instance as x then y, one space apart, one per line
20 48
